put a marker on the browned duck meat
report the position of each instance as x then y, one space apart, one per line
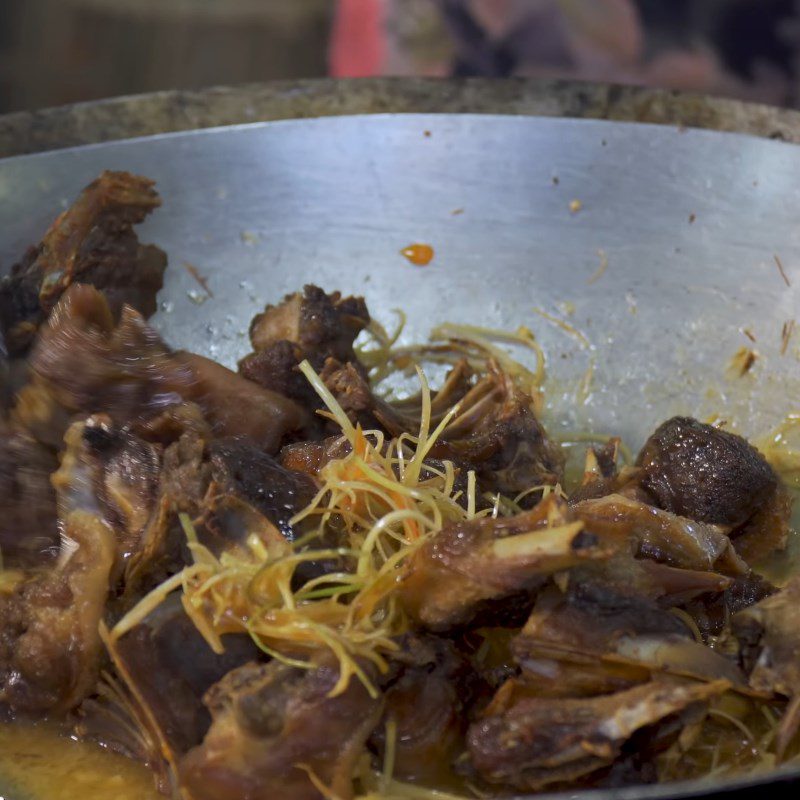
241 470
661 535
91 242
273 727
309 325
454 573
769 636
704 473
592 639
167 667
82 363
29 533
531 743
50 649
427 703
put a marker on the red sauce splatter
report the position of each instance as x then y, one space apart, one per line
418 254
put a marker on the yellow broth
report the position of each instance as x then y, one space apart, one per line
38 763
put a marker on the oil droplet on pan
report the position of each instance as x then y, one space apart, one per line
418 254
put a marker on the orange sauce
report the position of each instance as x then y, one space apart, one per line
418 254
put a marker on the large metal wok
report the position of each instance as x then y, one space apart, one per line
670 257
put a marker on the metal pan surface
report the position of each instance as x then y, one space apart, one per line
651 250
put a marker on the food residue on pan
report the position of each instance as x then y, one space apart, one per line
420 255
781 269
602 267
786 335
199 277
575 206
742 362
749 334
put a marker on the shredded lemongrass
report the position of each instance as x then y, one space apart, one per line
390 750
384 499
570 330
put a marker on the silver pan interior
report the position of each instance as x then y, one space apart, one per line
689 223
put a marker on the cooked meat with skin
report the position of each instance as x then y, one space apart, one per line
591 640
532 743
270 718
496 434
112 473
322 325
704 473
310 325
467 563
82 363
276 492
29 533
661 535
92 242
50 648
769 636
427 703
168 667
238 407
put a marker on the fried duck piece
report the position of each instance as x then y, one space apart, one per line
312 325
593 639
704 473
167 667
467 563
661 535
49 643
531 743
272 727
82 363
92 242
769 635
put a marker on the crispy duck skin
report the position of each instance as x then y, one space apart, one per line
92 242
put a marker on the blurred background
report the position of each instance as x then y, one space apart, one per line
64 51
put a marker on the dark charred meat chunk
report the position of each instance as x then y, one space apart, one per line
705 473
322 325
92 242
276 492
531 743
310 325
272 724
